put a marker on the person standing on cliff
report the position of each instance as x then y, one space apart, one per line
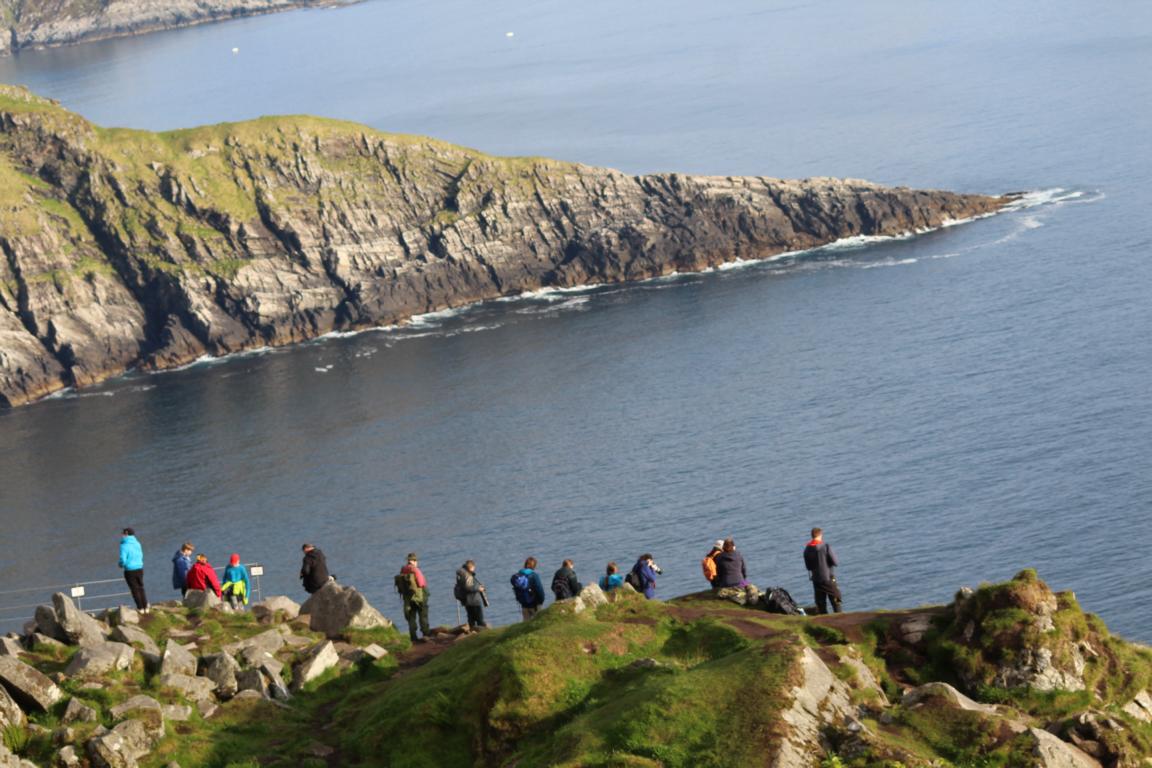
181 564
528 588
472 595
821 563
132 562
565 585
413 587
314 569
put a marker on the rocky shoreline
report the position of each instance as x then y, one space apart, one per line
32 24
128 249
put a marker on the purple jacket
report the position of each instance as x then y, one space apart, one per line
647 577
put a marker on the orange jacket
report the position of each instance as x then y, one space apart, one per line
709 566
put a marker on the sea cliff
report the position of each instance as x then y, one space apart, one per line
126 249
26 24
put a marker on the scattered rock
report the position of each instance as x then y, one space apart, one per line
176 713
249 696
10 647
194 688
334 608
138 702
123 746
136 637
1140 707
912 629
265 642
251 680
177 660
316 662
63 735
123 615
10 713
1051 752
78 627
945 693
79 712
276 687
67 758
199 599
267 610
47 625
221 669
207 707
100 658
31 689
40 643
375 652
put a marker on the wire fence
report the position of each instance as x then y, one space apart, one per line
18 606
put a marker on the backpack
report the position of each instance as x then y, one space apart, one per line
777 600
458 591
560 586
635 581
406 584
522 587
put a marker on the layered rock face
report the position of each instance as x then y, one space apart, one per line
48 23
125 248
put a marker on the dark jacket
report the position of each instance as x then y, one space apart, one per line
730 570
181 564
314 571
565 584
535 586
468 589
647 578
820 561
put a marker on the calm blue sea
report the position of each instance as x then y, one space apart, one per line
950 408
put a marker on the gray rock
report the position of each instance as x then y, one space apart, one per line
948 695
591 597
333 609
221 669
63 735
136 637
100 658
375 652
79 712
11 716
1051 752
267 642
177 660
193 688
319 659
266 610
67 758
47 624
249 696
136 703
78 627
276 687
207 707
40 643
124 615
1140 707
818 698
199 599
251 680
124 745
912 629
32 690
10 647
176 713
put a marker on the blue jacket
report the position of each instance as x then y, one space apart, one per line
609 583
647 577
131 554
536 585
181 564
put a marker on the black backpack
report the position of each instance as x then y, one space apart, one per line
634 580
458 591
777 600
560 586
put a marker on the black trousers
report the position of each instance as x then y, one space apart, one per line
475 616
825 591
135 581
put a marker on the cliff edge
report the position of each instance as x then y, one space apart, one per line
26 24
131 249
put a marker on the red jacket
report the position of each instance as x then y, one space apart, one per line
202 576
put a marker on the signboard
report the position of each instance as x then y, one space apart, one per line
78 592
257 570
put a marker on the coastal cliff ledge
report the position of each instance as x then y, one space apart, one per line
127 249
30 24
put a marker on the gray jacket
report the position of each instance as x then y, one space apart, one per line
821 562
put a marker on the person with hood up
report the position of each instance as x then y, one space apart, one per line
708 564
236 587
413 587
202 576
181 564
644 576
730 568
472 595
132 562
529 589
565 585
314 569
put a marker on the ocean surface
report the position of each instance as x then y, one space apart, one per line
951 408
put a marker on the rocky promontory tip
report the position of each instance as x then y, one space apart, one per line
29 24
126 249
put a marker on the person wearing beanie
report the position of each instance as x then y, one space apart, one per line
132 562
236 587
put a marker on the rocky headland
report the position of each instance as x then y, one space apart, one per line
127 249
26 24
1009 674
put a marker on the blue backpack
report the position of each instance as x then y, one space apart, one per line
522 586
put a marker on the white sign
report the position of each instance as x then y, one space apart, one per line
257 570
78 592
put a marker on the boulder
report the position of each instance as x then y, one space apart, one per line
265 642
819 698
199 599
266 610
136 703
9 760
67 758
276 687
41 643
194 688
79 712
177 660
334 608
11 716
221 669
251 680
592 596
134 636
122 747
912 628
32 690
176 713
318 660
946 694
100 658
375 652
10 647
46 624
1140 708
1051 752
123 615
78 627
